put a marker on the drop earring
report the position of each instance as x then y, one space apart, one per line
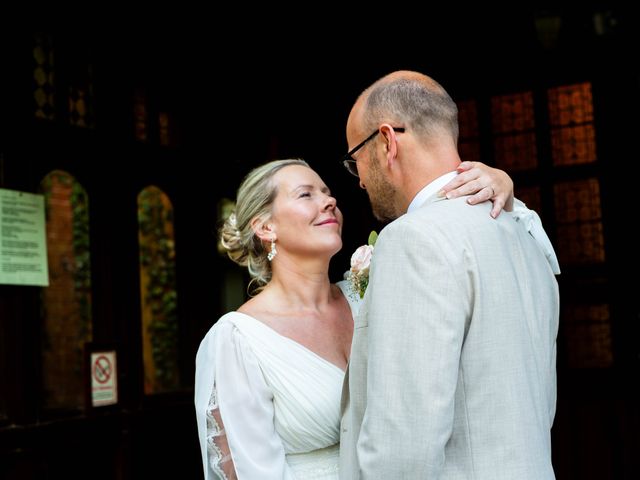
273 252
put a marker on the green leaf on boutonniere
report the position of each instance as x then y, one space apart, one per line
373 236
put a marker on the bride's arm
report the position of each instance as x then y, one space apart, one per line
240 439
483 183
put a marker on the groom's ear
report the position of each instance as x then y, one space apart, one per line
390 144
263 229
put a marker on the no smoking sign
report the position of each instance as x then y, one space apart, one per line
104 385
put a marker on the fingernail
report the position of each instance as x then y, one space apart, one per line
440 194
449 196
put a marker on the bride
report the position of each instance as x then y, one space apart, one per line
269 375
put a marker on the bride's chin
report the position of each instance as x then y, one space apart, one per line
329 251
336 249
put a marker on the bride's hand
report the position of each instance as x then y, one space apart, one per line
482 183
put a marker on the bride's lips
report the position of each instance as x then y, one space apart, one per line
327 221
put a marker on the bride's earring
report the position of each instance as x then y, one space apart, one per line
273 252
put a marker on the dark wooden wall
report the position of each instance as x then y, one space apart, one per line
288 94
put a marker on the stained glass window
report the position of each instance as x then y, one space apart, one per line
140 116
573 138
469 141
167 133
80 100
588 334
579 217
513 124
531 197
43 78
163 129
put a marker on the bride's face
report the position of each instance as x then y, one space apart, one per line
304 216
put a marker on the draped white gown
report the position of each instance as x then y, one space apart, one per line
278 402
268 407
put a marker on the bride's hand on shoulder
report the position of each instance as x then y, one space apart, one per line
483 183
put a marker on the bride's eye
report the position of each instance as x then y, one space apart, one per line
304 194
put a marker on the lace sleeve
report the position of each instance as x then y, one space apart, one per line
218 452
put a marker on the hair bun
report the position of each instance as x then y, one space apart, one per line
232 220
231 240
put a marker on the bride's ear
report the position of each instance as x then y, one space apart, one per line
263 229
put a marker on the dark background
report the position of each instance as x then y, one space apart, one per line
246 86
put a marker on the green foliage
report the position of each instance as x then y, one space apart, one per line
82 257
157 255
81 266
373 237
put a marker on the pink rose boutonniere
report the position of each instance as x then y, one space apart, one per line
360 261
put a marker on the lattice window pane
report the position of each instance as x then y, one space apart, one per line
468 143
578 213
158 291
531 196
516 152
512 113
573 145
469 151
80 101
163 124
468 119
588 334
140 116
570 105
513 124
166 130
66 302
43 78
80 111
573 139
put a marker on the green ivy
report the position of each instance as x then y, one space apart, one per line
157 254
81 268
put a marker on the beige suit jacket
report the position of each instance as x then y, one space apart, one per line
453 365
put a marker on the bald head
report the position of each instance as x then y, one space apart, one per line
409 98
409 75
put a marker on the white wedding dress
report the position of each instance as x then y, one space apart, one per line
267 407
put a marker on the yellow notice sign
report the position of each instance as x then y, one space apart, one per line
23 239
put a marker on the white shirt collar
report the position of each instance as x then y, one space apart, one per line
430 189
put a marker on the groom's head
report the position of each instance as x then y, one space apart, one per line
411 127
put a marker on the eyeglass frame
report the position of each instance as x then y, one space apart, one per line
348 161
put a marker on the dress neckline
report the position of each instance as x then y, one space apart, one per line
289 339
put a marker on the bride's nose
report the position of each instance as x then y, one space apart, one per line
330 203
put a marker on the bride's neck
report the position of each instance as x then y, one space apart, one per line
301 286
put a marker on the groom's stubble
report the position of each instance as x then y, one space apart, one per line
382 194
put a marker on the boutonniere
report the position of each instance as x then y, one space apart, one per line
360 262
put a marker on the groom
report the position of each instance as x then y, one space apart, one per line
452 370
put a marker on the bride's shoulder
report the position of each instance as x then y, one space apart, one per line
224 324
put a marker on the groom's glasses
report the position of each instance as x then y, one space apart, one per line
350 163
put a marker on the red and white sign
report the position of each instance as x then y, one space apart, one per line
104 378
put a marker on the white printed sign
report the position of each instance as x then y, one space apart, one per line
23 239
104 378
